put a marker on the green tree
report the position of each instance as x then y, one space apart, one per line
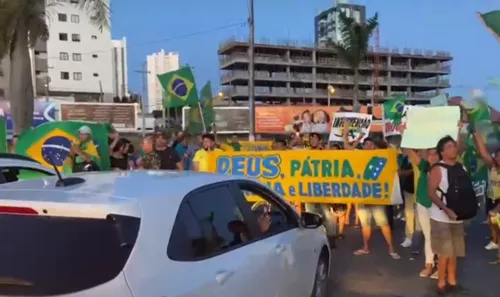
22 24
352 48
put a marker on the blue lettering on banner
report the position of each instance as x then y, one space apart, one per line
252 166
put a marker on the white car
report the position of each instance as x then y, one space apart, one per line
156 234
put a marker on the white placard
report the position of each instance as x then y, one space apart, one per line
426 125
360 123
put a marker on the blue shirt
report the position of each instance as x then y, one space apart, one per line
181 151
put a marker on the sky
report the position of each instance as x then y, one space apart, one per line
195 28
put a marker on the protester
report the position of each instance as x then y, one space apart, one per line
149 158
447 233
235 143
169 158
407 185
322 208
119 155
422 162
13 143
493 193
200 160
132 158
278 145
78 152
182 150
368 212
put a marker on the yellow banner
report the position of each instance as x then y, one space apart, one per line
303 176
249 146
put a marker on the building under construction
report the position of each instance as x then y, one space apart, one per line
287 72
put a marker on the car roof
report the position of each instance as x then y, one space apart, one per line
14 160
112 187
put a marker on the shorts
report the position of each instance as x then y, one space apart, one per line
339 209
490 204
377 212
447 239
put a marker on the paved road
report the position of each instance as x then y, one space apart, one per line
378 275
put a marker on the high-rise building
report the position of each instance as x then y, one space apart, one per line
120 76
297 74
4 77
77 60
326 23
159 63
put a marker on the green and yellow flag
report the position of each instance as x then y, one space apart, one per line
195 123
394 109
207 104
492 21
4 148
179 88
51 142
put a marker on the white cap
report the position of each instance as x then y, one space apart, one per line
85 130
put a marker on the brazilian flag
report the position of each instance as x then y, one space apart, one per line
51 142
491 20
179 88
194 120
394 109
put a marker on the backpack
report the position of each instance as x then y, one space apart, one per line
460 196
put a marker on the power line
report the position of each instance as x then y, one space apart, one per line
203 32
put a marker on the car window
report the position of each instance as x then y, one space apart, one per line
12 174
53 256
268 209
209 222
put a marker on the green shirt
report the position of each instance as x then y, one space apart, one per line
422 192
236 146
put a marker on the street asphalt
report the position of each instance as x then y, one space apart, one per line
378 275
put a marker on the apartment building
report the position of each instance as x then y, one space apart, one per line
77 60
159 63
4 77
120 69
291 73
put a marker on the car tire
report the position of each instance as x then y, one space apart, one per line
320 288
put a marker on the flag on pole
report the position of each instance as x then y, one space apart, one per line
179 88
207 104
492 22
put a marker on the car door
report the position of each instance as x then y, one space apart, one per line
224 259
289 242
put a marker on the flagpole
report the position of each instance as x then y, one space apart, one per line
201 116
251 70
480 16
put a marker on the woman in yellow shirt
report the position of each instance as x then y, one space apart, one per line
493 192
200 159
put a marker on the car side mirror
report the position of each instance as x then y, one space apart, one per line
311 220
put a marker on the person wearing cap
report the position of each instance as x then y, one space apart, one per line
78 150
200 160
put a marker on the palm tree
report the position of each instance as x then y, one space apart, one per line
22 24
352 48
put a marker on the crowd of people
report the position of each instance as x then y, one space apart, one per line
428 179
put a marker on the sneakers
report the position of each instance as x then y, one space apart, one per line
407 243
491 246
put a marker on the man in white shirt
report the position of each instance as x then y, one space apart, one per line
447 233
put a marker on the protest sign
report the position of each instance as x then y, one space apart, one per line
317 176
359 123
426 125
390 129
249 146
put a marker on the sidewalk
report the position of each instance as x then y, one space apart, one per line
378 275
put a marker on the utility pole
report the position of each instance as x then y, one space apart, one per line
251 70
143 72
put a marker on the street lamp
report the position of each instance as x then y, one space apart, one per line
330 91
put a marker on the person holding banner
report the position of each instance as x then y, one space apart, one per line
322 209
368 212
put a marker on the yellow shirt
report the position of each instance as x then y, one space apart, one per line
201 157
495 183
